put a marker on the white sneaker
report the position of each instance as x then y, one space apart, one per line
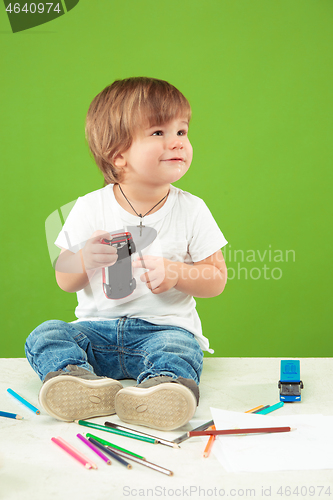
166 406
78 394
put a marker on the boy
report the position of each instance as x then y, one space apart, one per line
137 131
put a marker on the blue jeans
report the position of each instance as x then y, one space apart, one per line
118 349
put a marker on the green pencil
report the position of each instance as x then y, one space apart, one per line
106 443
115 431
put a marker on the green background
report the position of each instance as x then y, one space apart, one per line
258 75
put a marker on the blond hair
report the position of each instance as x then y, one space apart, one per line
116 114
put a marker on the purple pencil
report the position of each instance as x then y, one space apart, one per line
95 449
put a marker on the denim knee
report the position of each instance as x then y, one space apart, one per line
43 344
38 334
174 353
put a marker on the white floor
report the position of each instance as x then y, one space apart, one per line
34 468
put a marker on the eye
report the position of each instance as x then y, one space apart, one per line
158 132
182 132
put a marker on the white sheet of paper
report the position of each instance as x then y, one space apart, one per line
306 448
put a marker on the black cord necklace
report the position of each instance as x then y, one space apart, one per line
140 215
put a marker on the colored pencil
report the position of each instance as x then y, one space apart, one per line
221 432
127 429
211 439
257 408
115 431
78 452
185 436
264 411
107 443
110 452
150 465
95 449
260 409
75 454
210 443
23 401
10 415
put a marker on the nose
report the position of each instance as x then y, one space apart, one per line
176 143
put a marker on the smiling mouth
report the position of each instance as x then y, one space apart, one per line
174 159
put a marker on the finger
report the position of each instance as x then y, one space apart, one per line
145 277
157 290
152 281
152 285
143 258
138 265
146 263
149 279
102 248
104 260
100 235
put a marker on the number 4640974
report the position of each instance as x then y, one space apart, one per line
305 491
33 8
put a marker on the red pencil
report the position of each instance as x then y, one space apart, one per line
238 431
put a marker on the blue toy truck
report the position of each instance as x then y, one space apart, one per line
290 383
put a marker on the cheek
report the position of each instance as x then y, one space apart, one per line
189 152
153 153
142 156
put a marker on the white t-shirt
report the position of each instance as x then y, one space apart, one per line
186 232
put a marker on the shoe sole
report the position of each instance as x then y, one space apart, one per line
165 406
70 398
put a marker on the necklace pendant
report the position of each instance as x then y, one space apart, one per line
141 225
140 215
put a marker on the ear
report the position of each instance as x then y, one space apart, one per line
119 161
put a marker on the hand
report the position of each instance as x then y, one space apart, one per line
97 254
162 273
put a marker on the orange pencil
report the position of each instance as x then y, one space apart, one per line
212 438
210 442
254 409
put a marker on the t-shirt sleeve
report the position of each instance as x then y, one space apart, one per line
77 228
207 238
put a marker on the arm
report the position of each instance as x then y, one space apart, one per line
69 272
206 278
73 270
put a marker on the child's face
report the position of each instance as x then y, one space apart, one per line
159 155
